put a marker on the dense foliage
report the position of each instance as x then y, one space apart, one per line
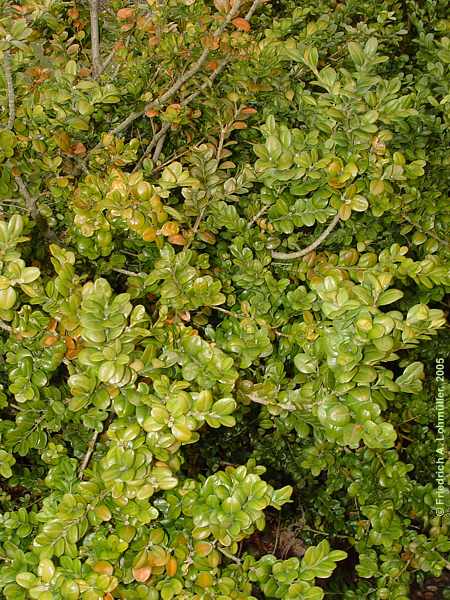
223 291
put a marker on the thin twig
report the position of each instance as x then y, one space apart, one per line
311 247
253 8
198 220
166 126
228 312
130 119
175 156
160 135
87 456
195 68
178 84
9 89
30 202
95 39
199 62
112 54
126 272
159 147
258 214
277 535
10 203
223 63
229 555
107 61
332 535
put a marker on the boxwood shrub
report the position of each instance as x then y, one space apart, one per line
224 277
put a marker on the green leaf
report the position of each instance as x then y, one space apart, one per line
305 363
319 561
311 58
356 53
26 580
389 296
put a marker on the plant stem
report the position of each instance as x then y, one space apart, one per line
9 89
258 214
252 9
87 456
126 272
195 68
229 555
95 39
30 202
323 236
198 220
159 147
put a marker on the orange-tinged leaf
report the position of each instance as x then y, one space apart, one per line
239 125
142 574
70 342
194 114
247 111
149 234
171 566
203 548
78 149
336 184
49 340
103 567
157 556
241 24
211 42
204 580
175 107
151 112
177 240
52 325
154 40
170 228
125 13
144 23
212 65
